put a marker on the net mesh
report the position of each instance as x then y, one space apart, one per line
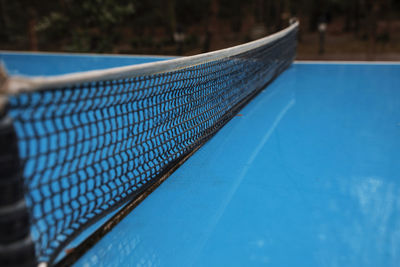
88 148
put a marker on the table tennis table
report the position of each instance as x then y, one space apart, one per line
307 174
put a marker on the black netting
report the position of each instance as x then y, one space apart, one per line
91 147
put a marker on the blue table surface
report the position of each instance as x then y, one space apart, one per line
48 64
306 175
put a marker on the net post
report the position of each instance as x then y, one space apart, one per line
16 246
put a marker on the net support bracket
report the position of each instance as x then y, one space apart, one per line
16 245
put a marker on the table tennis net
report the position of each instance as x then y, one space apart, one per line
76 149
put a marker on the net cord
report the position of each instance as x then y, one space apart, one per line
19 84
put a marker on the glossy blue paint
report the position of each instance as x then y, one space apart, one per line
47 64
307 175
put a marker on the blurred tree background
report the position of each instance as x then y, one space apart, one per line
356 29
